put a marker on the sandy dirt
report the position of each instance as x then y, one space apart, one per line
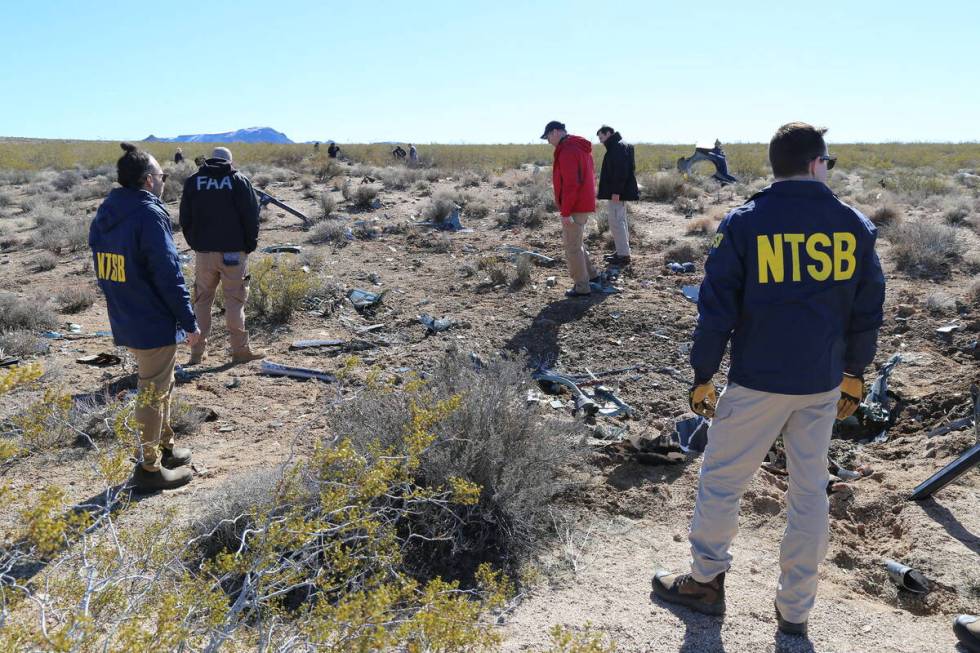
632 518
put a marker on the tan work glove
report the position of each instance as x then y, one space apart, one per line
703 399
851 391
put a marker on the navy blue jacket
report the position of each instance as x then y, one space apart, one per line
219 210
138 270
793 280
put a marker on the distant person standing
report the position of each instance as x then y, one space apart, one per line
573 179
333 150
399 152
139 273
792 279
413 154
316 146
219 216
179 156
617 183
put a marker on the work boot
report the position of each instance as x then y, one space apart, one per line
967 629
197 357
618 261
246 355
176 457
707 598
162 479
789 627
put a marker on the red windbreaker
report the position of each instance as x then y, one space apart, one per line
573 176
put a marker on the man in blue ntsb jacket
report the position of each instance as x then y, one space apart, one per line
149 307
792 279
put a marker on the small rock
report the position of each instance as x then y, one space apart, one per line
551 282
904 310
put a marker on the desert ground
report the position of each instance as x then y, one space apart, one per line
620 512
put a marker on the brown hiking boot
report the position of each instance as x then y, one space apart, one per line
707 598
176 457
246 355
789 627
163 479
967 629
197 357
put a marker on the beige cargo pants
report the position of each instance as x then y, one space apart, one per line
573 236
209 271
619 227
155 368
746 424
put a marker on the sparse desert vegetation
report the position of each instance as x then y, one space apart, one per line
432 491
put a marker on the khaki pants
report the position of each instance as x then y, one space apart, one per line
156 383
746 424
619 227
209 270
579 266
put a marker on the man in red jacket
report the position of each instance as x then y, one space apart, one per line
573 176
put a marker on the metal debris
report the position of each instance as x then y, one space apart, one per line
433 325
537 257
282 249
269 368
364 299
691 293
906 577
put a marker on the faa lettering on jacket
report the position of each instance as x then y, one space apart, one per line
820 256
210 183
111 267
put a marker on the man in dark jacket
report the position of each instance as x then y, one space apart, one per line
333 150
573 178
792 279
138 270
219 215
617 183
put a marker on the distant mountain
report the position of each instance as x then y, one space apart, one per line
250 135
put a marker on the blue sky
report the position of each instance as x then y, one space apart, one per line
486 72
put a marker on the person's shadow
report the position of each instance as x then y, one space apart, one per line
540 338
702 632
942 516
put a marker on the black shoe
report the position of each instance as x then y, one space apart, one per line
618 261
967 630
574 293
789 627
176 457
707 598
163 479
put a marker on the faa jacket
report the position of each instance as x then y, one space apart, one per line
219 211
618 174
573 176
793 280
138 270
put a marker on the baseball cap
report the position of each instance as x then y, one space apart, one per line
221 153
554 124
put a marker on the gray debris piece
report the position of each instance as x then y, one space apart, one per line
906 577
282 249
691 293
691 434
433 325
364 299
275 369
537 257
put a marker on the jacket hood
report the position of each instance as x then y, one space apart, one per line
613 139
576 142
217 168
119 205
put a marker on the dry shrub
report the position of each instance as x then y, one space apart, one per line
886 214
31 314
522 272
66 180
440 207
21 342
940 302
957 212
279 287
361 196
422 188
925 249
327 205
662 186
492 439
44 261
6 200
328 231
58 232
74 299
682 253
973 292
179 173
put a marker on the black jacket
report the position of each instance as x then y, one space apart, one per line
618 174
219 211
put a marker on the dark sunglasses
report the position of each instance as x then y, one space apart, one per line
165 175
831 161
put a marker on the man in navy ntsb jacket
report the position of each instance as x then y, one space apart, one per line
793 281
138 270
